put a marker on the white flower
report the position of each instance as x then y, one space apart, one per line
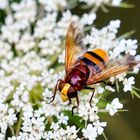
120 77
131 46
110 88
5 49
88 19
34 127
99 126
99 89
65 21
54 5
71 132
45 25
2 136
11 33
128 84
104 38
28 111
63 119
26 43
3 4
90 132
54 126
61 133
116 2
93 114
83 111
25 12
7 117
61 58
136 68
114 25
114 106
11 118
98 3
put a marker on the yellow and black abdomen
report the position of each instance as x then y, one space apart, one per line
96 59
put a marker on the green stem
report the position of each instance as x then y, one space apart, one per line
126 5
117 85
12 130
122 110
104 136
133 92
83 138
19 123
9 10
102 110
136 88
127 34
104 8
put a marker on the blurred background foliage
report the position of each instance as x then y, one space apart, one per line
125 125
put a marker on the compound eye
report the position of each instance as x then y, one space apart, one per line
71 92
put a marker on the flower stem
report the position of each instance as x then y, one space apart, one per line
104 136
19 123
12 130
136 88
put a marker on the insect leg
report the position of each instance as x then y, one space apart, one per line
49 97
91 98
89 88
69 101
55 89
77 99
109 84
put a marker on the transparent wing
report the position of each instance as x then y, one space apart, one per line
113 68
74 46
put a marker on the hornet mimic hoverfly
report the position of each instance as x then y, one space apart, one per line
84 68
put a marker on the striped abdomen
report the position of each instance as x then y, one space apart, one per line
96 59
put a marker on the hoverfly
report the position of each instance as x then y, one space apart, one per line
84 68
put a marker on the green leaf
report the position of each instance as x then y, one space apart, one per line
35 95
59 68
74 119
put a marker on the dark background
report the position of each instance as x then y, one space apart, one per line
126 125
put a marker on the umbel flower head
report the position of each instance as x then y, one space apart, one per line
32 40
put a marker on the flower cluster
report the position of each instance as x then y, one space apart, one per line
32 38
100 2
